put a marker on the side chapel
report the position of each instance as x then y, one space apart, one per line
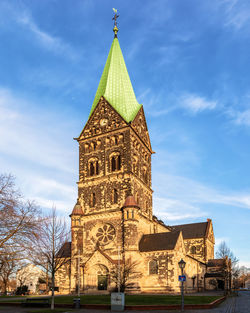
113 218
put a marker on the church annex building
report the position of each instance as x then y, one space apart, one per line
112 221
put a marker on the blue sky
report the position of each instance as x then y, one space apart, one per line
189 65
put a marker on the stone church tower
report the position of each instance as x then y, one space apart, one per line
112 220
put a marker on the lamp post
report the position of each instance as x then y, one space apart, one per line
182 264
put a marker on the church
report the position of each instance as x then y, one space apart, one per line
116 238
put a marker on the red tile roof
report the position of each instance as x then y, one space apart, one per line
77 209
130 202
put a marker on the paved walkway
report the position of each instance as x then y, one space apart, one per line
240 304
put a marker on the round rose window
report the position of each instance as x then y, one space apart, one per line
105 234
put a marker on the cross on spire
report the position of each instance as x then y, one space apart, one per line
115 29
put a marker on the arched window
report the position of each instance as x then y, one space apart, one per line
193 250
153 267
92 200
115 162
93 167
114 196
96 167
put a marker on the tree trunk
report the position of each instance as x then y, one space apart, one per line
53 291
5 282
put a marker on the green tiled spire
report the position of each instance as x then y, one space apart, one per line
115 85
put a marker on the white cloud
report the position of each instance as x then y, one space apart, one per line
170 209
20 17
33 148
240 118
60 205
49 41
219 240
237 13
244 263
194 195
24 136
243 118
239 19
196 104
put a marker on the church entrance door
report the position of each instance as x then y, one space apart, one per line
221 284
102 282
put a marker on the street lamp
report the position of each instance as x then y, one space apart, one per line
182 265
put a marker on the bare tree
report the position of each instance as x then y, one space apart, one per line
46 250
128 273
18 218
8 266
224 251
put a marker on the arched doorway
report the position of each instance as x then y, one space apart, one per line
96 277
221 284
102 277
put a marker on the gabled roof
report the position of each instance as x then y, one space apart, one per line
107 256
158 241
65 251
115 85
194 230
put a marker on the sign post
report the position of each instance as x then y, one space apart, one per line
182 278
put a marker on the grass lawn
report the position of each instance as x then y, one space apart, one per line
3 297
132 299
49 310
139 299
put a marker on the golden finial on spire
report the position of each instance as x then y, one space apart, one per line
115 29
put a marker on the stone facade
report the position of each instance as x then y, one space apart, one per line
219 274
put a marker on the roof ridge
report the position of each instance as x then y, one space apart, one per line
190 224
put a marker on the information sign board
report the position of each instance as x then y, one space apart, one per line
117 301
182 277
